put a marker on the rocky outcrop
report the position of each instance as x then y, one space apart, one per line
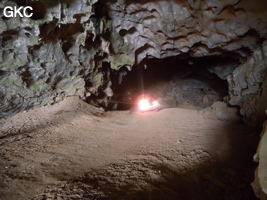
248 87
260 182
56 53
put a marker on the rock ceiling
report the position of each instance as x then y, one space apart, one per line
194 28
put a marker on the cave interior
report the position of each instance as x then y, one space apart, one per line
178 82
71 77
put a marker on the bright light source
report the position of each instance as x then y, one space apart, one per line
155 103
144 104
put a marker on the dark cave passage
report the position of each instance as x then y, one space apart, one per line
190 83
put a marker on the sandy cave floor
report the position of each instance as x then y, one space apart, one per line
73 150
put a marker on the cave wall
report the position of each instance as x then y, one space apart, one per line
248 87
54 55
63 51
260 180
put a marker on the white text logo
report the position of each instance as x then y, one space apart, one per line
21 11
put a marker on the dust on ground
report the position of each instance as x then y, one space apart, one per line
72 150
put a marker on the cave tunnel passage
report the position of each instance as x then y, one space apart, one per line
194 83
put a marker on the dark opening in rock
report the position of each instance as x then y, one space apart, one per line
19 2
39 10
191 83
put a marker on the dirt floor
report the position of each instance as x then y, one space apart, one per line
72 150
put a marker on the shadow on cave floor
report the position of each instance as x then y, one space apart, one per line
156 172
144 179
210 180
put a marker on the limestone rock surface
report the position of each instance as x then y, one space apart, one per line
193 28
260 182
51 56
248 87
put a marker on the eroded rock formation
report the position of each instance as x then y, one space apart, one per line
50 56
194 28
248 87
260 182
